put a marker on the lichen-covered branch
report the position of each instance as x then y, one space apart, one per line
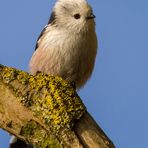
46 112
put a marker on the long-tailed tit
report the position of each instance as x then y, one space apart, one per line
67 46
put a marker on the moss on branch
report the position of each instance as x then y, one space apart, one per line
51 99
49 96
42 110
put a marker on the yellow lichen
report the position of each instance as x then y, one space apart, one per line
32 130
51 98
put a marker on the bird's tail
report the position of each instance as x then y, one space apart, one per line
17 143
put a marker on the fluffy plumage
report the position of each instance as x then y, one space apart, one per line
67 46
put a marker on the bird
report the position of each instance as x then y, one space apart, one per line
67 46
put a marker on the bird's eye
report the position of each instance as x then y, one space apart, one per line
77 16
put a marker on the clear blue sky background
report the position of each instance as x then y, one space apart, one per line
117 93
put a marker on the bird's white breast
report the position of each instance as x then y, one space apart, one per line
68 55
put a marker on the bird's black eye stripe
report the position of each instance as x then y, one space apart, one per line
77 16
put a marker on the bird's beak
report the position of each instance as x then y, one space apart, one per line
91 16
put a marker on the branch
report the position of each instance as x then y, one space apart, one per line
46 112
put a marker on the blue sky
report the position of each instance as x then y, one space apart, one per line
117 93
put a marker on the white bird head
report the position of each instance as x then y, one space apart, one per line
74 15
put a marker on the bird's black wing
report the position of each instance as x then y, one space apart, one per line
52 18
51 21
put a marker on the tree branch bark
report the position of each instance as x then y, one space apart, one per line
46 112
